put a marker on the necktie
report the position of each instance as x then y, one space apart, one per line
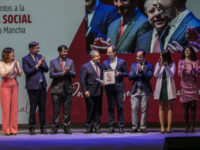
63 66
122 25
156 47
97 70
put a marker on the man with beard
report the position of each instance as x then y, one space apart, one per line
34 66
62 71
123 32
152 37
98 17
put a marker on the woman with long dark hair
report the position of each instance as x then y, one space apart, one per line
188 70
9 70
165 91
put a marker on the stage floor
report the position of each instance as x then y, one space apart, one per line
153 140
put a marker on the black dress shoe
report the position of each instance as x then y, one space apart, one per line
88 131
143 130
32 131
121 130
134 131
98 131
43 131
54 131
111 130
67 131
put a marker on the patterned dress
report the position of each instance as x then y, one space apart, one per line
189 89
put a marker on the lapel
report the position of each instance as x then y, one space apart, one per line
116 28
108 64
129 27
118 63
59 65
163 36
32 61
181 28
97 11
93 70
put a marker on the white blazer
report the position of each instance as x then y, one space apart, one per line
158 73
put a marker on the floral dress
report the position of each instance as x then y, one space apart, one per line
189 89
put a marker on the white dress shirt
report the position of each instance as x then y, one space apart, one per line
113 63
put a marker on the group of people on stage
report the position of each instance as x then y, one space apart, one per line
111 30
62 71
34 66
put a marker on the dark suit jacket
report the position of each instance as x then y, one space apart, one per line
103 16
144 41
32 73
121 68
135 26
179 35
61 83
144 77
88 80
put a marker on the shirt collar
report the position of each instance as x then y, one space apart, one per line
114 60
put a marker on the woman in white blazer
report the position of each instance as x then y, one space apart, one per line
165 90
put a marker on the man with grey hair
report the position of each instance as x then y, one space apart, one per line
152 37
91 75
174 36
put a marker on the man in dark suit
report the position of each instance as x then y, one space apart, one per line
62 71
152 36
91 75
98 16
181 19
115 92
123 32
34 66
140 73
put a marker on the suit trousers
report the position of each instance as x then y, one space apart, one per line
64 100
94 111
114 97
9 103
37 99
139 97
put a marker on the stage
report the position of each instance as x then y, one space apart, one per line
153 140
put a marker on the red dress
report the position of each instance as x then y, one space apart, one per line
189 72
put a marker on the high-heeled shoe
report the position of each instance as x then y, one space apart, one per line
186 130
192 130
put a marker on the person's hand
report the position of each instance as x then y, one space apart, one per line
193 37
100 44
116 73
40 61
66 70
43 59
87 94
174 47
164 64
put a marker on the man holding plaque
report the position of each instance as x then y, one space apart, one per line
140 73
91 81
62 71
114 86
